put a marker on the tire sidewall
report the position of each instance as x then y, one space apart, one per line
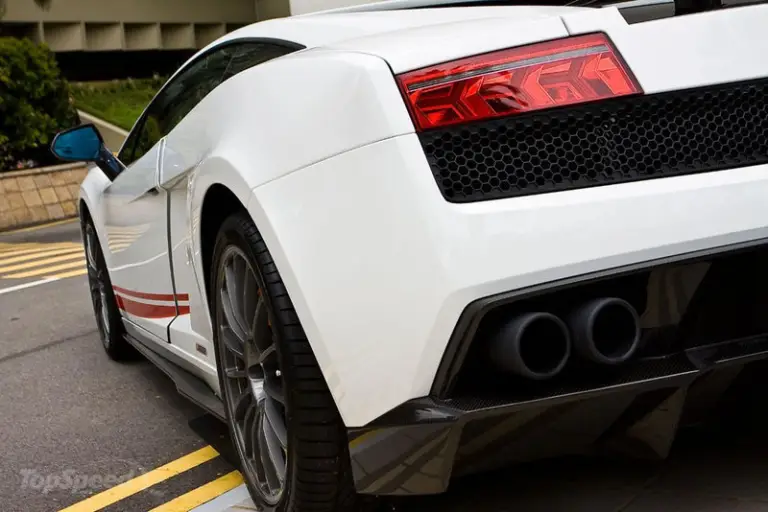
111 341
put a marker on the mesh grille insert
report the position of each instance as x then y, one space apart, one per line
603 143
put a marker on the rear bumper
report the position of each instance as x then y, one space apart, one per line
381 267
692 354
421 445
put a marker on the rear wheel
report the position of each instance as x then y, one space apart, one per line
284 424
108 318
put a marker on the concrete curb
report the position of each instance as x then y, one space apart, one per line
236 500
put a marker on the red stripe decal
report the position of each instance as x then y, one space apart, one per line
152 296
145 310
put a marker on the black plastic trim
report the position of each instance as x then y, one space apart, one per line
417 447
485 160
470 318
188 385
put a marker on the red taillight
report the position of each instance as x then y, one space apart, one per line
543 75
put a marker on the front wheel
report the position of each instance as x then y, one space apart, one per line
108 317
282 418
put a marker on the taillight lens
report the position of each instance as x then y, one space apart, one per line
543 75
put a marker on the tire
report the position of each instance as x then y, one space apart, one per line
108 318
277 363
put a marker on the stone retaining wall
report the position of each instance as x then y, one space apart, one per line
35 196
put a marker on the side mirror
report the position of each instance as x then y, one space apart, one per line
84 144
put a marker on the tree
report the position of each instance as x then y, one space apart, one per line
43 4
34 103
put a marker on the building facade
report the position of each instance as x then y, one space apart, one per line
137 25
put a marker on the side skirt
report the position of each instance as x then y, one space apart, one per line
188 385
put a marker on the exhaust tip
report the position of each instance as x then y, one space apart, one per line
606 331
534 345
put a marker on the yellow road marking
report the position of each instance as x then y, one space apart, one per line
46 270
46 250
39 262
73 273
41 226
364 437
138 484
203 494
10 247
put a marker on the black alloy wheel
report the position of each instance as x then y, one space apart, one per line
108 319
254 387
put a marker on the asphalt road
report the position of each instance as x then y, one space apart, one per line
71 419
68 413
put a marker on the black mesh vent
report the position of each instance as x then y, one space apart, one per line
615 141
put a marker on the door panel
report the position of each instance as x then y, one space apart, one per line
136 249
187 144
191 330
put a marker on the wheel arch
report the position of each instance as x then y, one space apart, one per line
83 210
89 202
219 202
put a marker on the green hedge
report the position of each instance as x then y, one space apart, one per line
35 103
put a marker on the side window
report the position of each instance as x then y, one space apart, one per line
126 152
189 88
180 96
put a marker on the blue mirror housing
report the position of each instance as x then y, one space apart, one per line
84 144
81 143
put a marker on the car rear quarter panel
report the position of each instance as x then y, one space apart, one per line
271 121
294 111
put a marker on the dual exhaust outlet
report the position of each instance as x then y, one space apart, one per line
538 345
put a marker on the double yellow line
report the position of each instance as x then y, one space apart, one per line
182 503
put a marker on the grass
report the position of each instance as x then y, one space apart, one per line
119 102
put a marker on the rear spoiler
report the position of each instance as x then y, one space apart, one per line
634 11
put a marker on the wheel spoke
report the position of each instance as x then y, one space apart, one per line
269 351
232 342
274 389
262 334
275 451
249 422
235 274
229 314
242 403
235 373
266 456
276 421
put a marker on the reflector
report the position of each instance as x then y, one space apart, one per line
543 75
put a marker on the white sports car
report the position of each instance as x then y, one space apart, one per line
396 243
